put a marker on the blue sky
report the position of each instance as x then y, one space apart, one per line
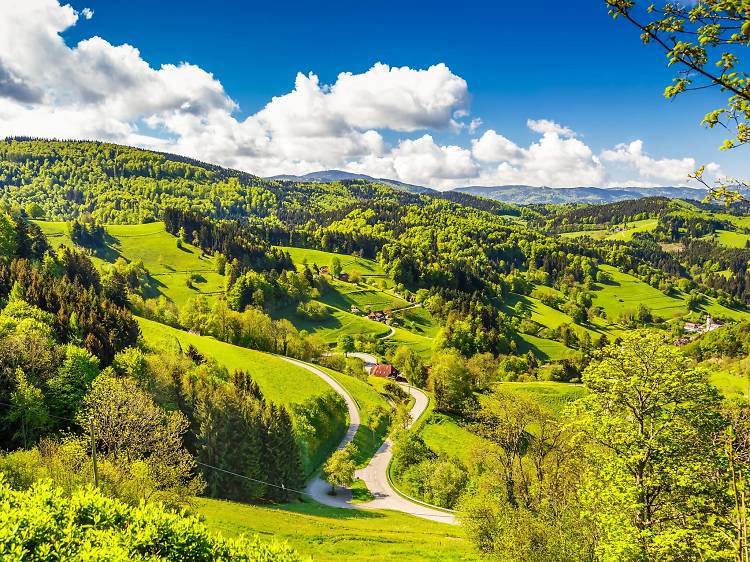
577 68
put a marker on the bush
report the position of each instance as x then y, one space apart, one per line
313 310
394 392
88 526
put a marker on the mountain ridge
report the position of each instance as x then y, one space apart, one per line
516 194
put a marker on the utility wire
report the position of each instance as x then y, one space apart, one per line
279 486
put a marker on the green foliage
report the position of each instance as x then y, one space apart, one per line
346 344
410 365
339 468
141 444
88 526
651 421
705 40
451 383
8 240
72 381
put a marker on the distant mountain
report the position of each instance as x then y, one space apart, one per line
328 176
526 194
515 194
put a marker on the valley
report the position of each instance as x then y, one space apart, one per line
352 336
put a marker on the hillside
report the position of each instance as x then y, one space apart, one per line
239 312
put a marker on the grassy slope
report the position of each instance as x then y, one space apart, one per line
330 534
421 344
170 266
280 381
732 239
645 225
626 292
544 349
337 323
368 268
445 434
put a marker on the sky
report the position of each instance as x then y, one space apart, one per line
431 93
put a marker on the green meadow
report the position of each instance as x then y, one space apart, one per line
366 267
618 232
170 267
346 535
542 348
279 380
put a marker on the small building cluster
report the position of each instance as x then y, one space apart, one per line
378 316
696 328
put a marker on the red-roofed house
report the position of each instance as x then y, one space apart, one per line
384 371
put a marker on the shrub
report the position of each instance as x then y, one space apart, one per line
88 526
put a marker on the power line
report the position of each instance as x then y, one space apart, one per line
279 486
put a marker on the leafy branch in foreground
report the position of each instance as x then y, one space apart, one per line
704 39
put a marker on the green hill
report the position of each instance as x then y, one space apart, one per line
170 267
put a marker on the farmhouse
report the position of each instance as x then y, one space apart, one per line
384 371
323 270
344 277
377 316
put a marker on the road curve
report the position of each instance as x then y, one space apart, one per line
317 487
375 474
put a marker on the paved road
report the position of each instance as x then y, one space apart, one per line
375 473
317 487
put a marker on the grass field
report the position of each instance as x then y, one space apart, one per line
337 323
330 534
625 292
280 381
170 267
368 268
421 344
730 384
626 232
553 395
419 321
445 434
732 239
344 295
544 349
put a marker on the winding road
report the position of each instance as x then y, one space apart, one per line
375 474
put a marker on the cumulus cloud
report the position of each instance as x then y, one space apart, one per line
654 171
98 90
545 126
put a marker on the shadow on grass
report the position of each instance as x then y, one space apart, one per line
318 510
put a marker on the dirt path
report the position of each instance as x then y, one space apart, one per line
375 474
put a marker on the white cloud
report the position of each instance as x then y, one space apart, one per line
494 147
98 90
545 126
651 170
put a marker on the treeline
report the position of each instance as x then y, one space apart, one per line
241 248
611 213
